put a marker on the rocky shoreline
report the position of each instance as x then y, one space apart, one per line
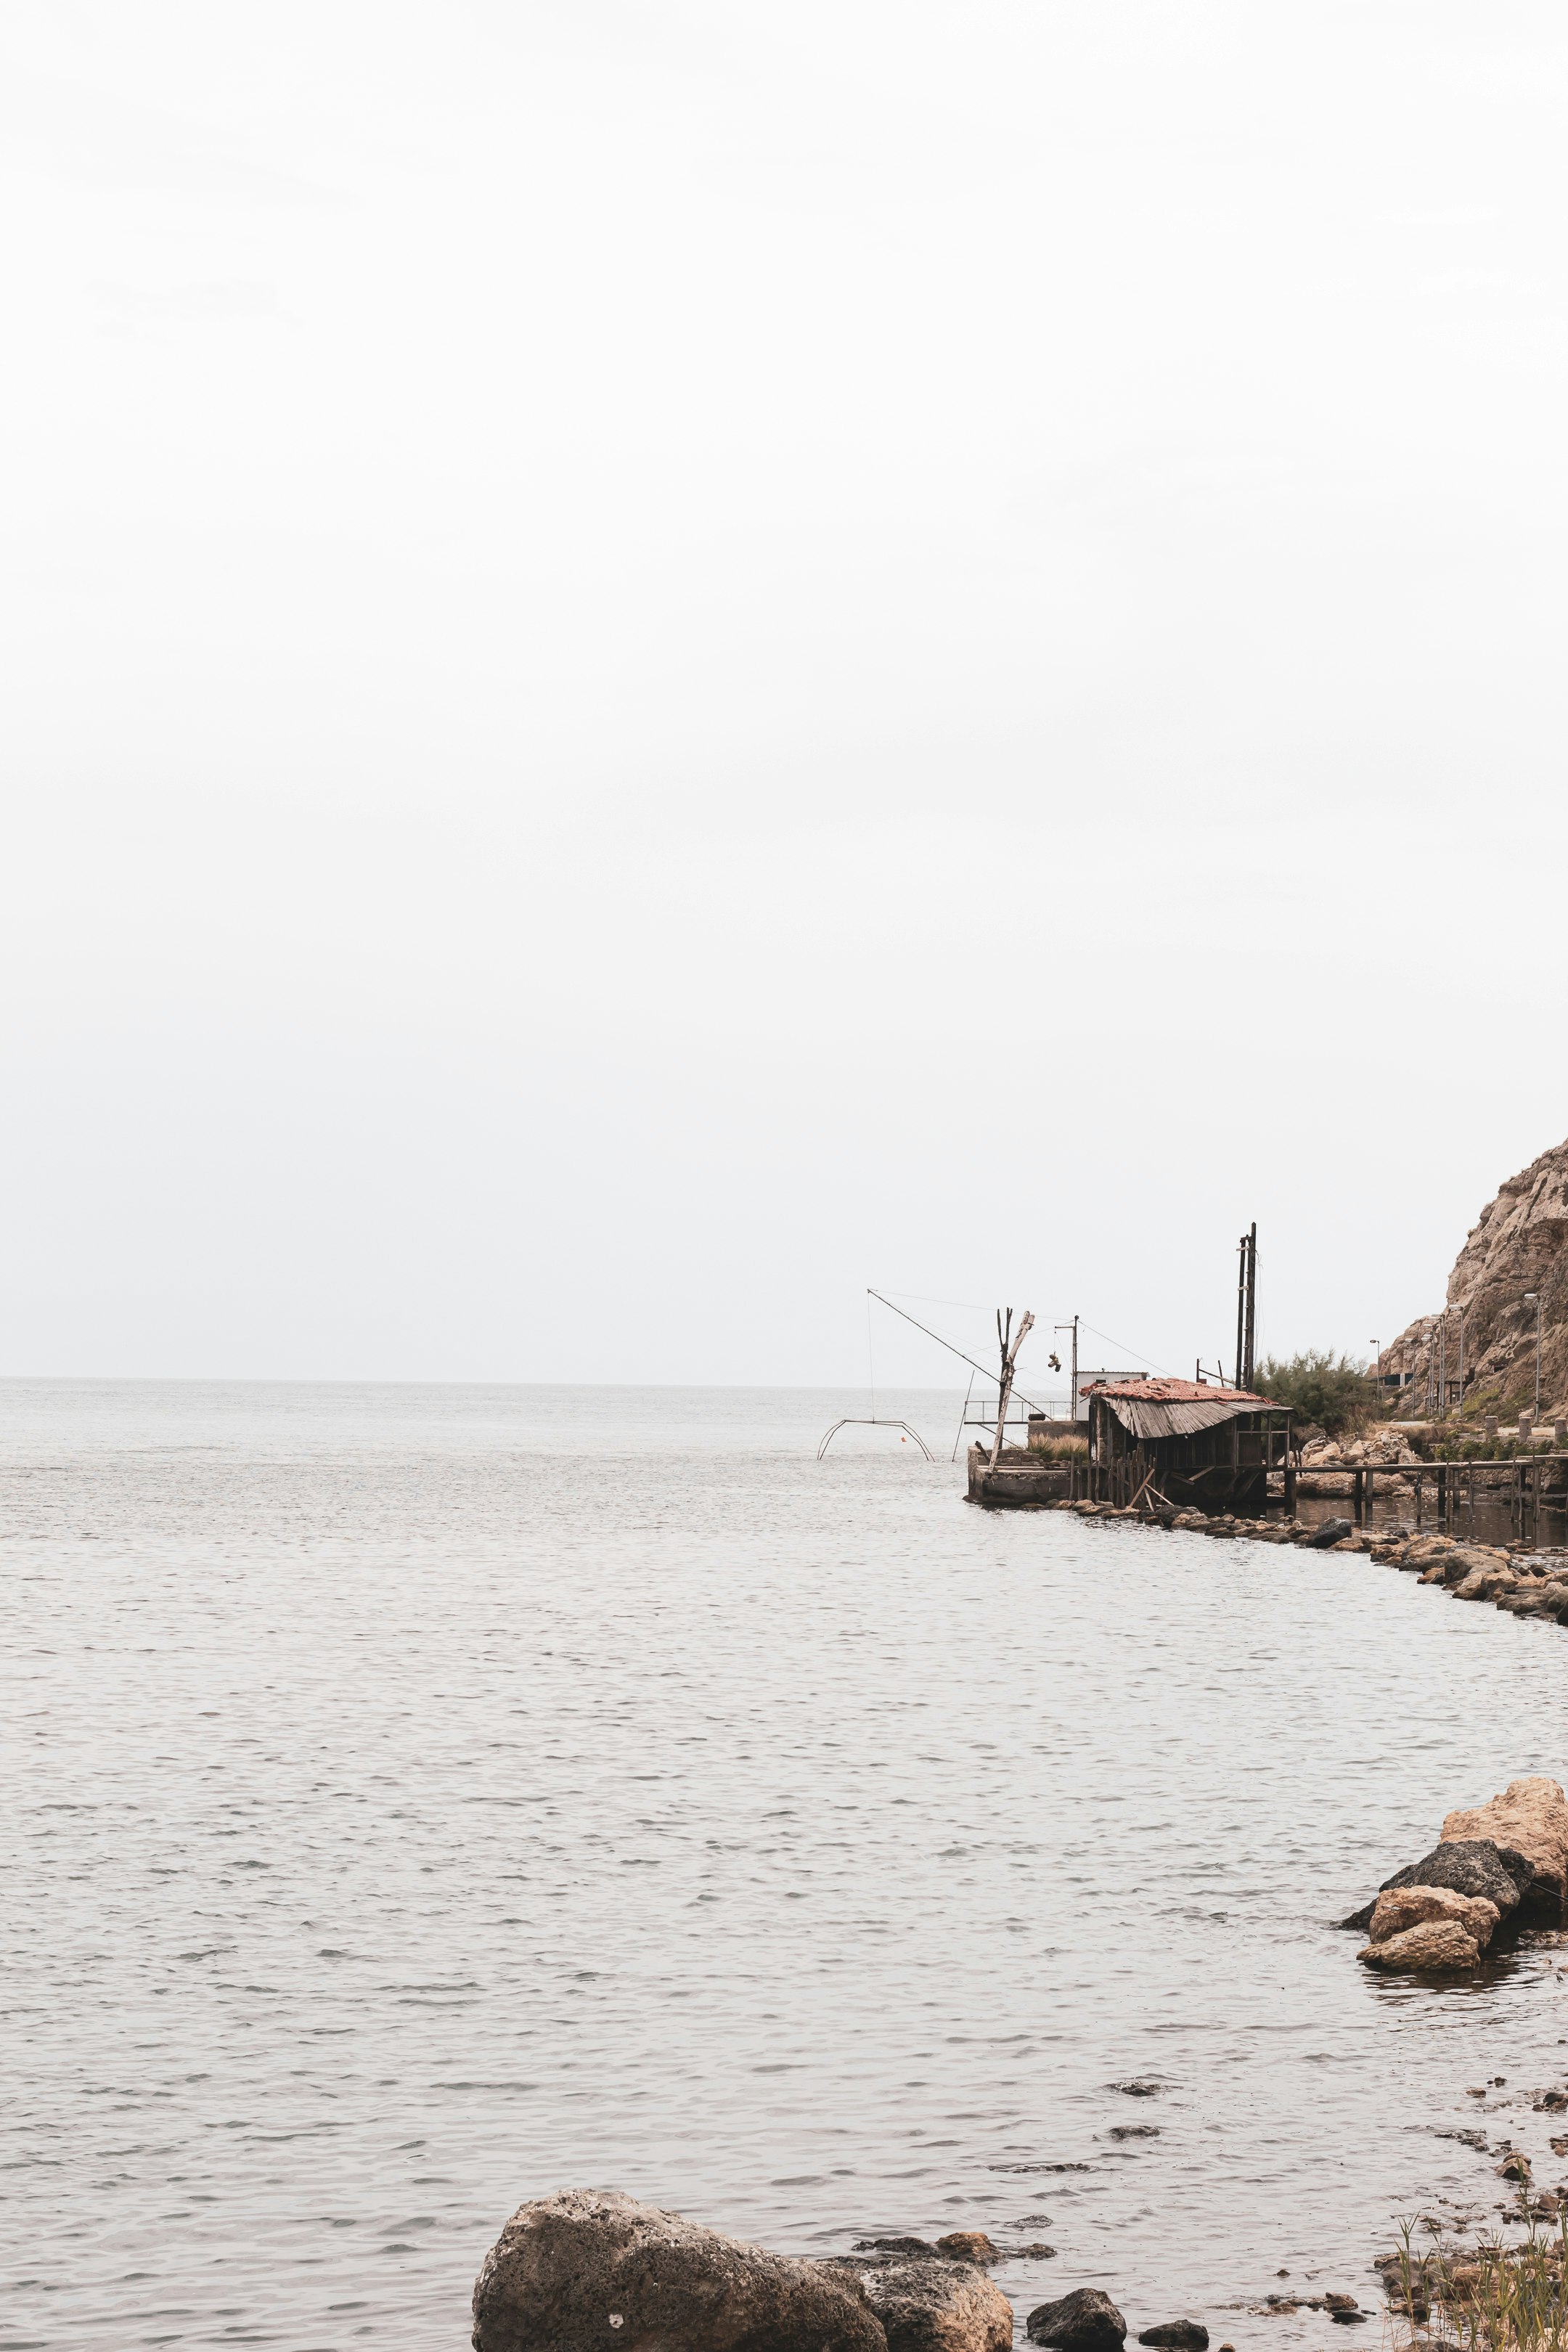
587 2268
1520 1583
593 2268
584 2267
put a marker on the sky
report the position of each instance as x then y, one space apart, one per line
666 660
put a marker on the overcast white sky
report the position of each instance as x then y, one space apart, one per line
666 657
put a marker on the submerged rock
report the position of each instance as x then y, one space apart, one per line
931 2302
1410 1906
1177 2336
1085 2321
588 2268
967 2246
1329 1532
1438 1944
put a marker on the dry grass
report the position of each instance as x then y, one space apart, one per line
1491 2297
1063 1449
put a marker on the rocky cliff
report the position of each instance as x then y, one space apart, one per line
1517 1244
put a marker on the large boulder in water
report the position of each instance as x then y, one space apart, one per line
1403 1908
1085 2321
1470 1866
1474 1867
931 2302
590 2269
1438 1944
1531 1818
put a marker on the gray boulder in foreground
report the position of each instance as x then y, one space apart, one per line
592 2270
933 2302
1466 1866
1085 2321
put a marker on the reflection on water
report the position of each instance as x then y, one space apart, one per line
423 1800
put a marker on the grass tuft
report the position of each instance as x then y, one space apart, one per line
1491 2297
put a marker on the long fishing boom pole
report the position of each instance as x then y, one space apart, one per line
984 1373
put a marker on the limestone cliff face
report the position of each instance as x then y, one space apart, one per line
1518 1243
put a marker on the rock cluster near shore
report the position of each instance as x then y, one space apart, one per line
590 2268
1328 1467
1442 1912
1520 1583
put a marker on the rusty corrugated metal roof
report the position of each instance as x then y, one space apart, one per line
1164 1392
1176 1408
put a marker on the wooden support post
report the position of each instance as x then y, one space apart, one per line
1367 1511
1420 1485
1358 1495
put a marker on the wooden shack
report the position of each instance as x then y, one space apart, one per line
1198 1445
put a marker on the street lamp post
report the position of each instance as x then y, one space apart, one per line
1532 1298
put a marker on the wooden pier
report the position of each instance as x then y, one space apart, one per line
1453 1487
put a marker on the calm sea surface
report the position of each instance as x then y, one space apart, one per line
421 1799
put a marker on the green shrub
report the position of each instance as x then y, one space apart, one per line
1333 1391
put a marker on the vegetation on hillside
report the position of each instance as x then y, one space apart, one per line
1333 1391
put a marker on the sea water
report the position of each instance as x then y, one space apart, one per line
420 1800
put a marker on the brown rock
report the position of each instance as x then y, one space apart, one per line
1531 1817
967 2246
1438 1944
1484 1583
931 2303
587 2269
1469 1557
1403 1908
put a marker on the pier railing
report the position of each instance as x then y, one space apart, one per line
979 1414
